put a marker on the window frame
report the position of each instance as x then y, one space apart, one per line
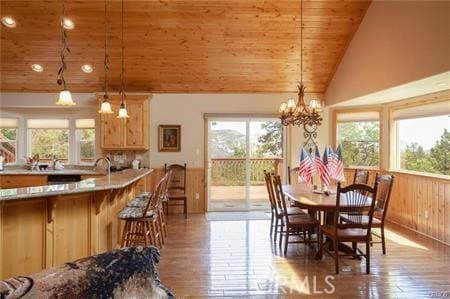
78 141
335 139
29 143
394 157
17 141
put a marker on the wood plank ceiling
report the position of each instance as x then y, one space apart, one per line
180 46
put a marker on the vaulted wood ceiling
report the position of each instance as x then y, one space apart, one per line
182 46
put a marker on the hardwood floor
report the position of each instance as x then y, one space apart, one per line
236 258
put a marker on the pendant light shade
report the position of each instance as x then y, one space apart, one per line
123 113
105 108
65 99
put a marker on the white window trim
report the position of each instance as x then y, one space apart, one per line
73 154
18 135
394 161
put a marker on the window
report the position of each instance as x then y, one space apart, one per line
359 135
8 139
85 136
423 139
49 138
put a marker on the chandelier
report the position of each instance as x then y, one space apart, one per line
299 113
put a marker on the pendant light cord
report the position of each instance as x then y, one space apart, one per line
122 92
61 80
301 41
106 60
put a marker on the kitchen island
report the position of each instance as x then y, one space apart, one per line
45 226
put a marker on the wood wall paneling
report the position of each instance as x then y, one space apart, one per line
420 203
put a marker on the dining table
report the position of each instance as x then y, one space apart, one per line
305 197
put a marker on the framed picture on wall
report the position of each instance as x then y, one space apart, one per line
169 138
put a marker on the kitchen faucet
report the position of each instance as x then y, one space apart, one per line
108 163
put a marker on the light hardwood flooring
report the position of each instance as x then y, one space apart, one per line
237 259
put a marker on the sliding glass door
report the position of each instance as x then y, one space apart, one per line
239 150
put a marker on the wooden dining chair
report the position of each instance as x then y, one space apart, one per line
294 225
290 170
177 187
351 204
361 176
385 183
276 213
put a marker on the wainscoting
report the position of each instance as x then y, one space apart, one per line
419 203
195 184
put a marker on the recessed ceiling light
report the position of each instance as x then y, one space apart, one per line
441 84
68 24
9 22
87 68
37 68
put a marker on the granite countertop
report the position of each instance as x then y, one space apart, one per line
117 180
68 171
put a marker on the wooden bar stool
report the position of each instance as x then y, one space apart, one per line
142 226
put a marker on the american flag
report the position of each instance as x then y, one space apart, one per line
306 168
338 174
331 159
322 169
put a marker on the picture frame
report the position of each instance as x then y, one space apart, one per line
169 138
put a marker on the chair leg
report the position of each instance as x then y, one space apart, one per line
368 256
282 228
163 220
275 233
336 255
383 241
124 234
271 223
286 239
320 243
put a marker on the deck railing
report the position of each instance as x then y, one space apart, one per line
231 171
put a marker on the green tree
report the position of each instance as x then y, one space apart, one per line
440 154
271 143
49 143
414 157
360 143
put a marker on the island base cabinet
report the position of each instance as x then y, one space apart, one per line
40 233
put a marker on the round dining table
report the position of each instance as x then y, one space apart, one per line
305 198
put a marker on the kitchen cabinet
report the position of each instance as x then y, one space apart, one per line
126 134
20 181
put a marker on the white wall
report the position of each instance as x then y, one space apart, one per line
187 110
397 42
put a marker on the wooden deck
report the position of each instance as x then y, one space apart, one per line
237 258
233 197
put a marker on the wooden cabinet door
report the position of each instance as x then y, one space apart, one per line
111 129
136 127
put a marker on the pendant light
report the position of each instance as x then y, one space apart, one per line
123 109
105 107
65 97
299 113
